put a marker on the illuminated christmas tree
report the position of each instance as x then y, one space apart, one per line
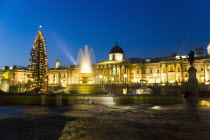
38 68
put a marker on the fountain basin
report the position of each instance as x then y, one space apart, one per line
86 78
86 75
84 89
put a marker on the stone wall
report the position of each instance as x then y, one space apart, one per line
59 99
160 90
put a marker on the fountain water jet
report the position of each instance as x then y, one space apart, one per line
85 61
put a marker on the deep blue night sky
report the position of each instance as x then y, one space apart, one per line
143 28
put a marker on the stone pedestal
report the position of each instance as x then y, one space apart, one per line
192 91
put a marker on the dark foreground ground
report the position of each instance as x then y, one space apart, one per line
100 122
32 123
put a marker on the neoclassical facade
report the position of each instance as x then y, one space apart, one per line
119 70
171 69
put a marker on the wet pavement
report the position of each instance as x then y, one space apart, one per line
137 122
101 122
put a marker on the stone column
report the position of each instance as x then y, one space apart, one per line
111 75
126 72
161 78
115 75
128 75
103 74
166 73
208 73
106 72
124 75
58 77
175 72
181 67
120 74
204 69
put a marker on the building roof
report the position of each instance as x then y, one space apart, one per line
109 62
14 67
116 49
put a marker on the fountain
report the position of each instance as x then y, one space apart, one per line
85 59
85 85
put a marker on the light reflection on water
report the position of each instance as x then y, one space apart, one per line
27 111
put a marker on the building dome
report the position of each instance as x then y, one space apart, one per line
116 49
116 53
208 49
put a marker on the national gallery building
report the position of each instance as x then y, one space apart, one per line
118 70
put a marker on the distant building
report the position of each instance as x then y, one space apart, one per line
116 70
13 78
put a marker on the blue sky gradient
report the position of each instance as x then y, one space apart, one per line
143 28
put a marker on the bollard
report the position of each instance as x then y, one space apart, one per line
59 100
43 99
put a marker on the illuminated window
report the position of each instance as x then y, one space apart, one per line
132 71
185 79
179 80
202 78
151 80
